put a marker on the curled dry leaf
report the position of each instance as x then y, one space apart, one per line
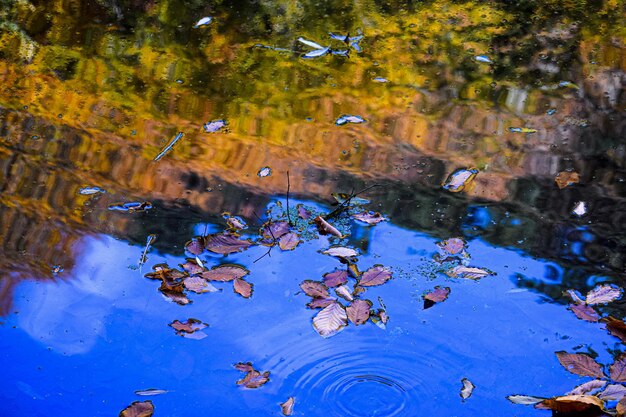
336 278
585 312
225 243
325 228
616 327
566 178
437 295
344 292
580 364
225 273
330 320
468 388
289 241
243 288
524 399
572 404
587 387
603 294
376 275
613 392
314 289
340 252
468 272
138 409
320 302
369 217
190 326
618 369
359 311
287 406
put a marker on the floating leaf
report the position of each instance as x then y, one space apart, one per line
336 278
566 178
618 369
150 392
243 288
358 290
580 364
621 407
225 273
369 217
289 241
576 297
603 294
287 406
524 399
320 302
340 252
468 272
195 246
468 389
244 366
264 172
459 179
234 222
613 392
587 387
359 311
214 126
330 320
314 289
175 296
191 267
165 274
348 118
452 246
376 275
225 243
572 404
325 228
138 409
616 327
274 230
190 326
254 379
437 295
344 292
198 285
585 312
303 213
381 80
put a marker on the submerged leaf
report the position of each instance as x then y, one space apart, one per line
243 288
452 246
572 404
203 22
468 388
369 217
225 273
330 320
585 312
264 172
287 406
244 366
289 241
580 364
336 278
603 294
224 243
314 289
522 130
376 275
310 43
566 178
459 179
325 228
437 295
138 409
359 311
587 387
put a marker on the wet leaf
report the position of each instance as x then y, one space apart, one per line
289 241
287 406
468 272
452 246
336 278
225 273
175 296
195 246
524 399
572 404
353 270
225 243
314 289
138 409
459 180
566 178
254 379
274 230
585 312
344 292
150 392
244 366
214 126
243 288
358 290
580 364
359 311
165 273
376 275
320 302
264 172
325 228
587 387
190 326
613 392
621 407
234 222
369 217
618 369
191 267
198 285
340 252
437 295
603 294
468 388
330 320
616 327
303 213
348 118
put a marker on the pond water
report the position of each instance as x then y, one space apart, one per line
126 119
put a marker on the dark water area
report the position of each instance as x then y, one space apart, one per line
124 122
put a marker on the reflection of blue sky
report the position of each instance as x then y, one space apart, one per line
81 347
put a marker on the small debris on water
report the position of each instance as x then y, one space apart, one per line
522 130
203 22
131 207
381 80
459 179
91 191
347 118
214 126
264 172
484 59
550 112
580 209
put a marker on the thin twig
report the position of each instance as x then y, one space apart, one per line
346 203
288 189
269 251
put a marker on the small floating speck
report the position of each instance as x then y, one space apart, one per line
484 59
131 207
347 118
214 126
264 172
316 53
576 121
459 179
381 80
150 391
340 52
203 22
568 84
522 130
91 190
550 112
57 269
580 209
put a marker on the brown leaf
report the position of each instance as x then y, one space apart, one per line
585 312
320 302
191 267
336 278
621 407
225 273
359 311
437 295
325 228
613 392
287 406
195 246
340 252
344 292
254 379
580 364
303 213
566 178
138 409
468 388
225 243
369 217
198 285
587 387
452 246
235 223
243 288
330 320
244 366
376 275
572 404
274 230
289 241
190 326
314 289
165 273
616 327
468 272
618 369
358 290
175 295
603 294
380 318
